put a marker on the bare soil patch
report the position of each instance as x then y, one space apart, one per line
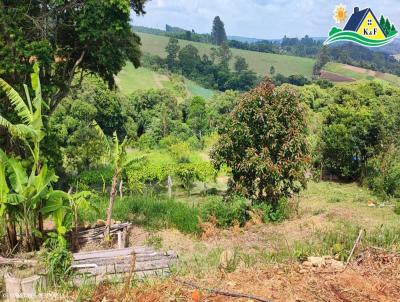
335 77
361 70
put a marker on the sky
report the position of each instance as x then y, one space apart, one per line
263 19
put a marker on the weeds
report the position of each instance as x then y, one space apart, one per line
151 212
154 241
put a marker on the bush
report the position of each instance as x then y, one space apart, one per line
384 174
271 215
96 176
227 213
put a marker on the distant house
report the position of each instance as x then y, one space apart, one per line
366 24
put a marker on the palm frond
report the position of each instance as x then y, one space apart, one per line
20 107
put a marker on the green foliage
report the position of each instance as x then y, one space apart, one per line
73 145
172 50
269 214
218 34
151 212
57 260
226 213
180 152
384 173
268 159
360 124
322 60
96 176
92 27
197 116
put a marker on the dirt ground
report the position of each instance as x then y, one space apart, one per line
373 276
337 78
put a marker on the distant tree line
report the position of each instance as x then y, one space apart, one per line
346 53
211 71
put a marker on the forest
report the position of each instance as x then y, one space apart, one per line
267 173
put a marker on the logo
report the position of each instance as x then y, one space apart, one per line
362 28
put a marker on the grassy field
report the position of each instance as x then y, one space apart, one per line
259 62
130 80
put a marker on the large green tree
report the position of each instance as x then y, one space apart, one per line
70 38
172 50
218 34
264 143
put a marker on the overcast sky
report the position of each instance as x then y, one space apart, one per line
265 19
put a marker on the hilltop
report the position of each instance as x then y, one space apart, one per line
258 62
287 65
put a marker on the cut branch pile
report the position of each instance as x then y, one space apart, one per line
117 262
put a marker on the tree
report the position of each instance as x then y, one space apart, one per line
272 70
189 59
241 64
197 116
322 59
224 55
70 39
218 34
117 156
172 50
264 143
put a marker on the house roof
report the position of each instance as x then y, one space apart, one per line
357 18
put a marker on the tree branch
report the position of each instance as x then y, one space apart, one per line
56 99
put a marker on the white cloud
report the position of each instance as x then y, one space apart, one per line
258 18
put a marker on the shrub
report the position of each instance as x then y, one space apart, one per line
168 141
264 142
96 176
384 173
271 215
227 213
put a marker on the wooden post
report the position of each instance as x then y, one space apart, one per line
120 240
169 186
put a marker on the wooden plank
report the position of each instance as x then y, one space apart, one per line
112 253
122 268
125 259
79 280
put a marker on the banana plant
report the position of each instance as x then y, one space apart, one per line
30 129
24 192
118 157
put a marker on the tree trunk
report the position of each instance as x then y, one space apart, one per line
169 182
121 188
113 194
12 234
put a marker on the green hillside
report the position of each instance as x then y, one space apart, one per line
130 80
358 73
259 62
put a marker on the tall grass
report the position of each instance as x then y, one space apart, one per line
148 211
